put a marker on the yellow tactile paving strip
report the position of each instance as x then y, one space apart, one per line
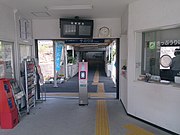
96 78
102 124
100 86
102 120
135 130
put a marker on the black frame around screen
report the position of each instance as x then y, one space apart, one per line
88 23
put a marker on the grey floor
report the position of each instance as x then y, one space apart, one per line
64 116
59 116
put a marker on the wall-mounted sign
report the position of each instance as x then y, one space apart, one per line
152 45
169 43
82 41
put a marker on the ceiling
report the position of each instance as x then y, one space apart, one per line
100 8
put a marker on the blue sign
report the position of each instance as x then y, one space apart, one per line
85 41
58 53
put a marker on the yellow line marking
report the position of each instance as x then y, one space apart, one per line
135 130
103 95
96 78
102 122
100 87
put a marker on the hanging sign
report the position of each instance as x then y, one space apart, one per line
58 53
85 41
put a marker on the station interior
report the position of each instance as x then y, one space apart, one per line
89 67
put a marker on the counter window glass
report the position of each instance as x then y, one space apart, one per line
161 53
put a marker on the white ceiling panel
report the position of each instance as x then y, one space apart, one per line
101 8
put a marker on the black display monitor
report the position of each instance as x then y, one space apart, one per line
76 28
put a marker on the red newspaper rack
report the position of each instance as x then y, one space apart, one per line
8 110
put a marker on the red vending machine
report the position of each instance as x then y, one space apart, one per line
8 110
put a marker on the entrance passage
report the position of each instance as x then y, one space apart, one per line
99 85
60 71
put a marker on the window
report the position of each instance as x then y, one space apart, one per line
159 49
25 50
6 60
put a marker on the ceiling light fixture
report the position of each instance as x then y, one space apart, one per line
70 7
41 14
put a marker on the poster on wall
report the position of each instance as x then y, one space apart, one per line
58 53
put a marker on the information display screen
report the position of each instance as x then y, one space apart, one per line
76 28
84 30
69 29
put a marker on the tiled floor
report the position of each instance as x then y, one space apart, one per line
64 116
60 116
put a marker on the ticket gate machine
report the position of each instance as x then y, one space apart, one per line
83 78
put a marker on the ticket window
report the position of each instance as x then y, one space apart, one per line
158 48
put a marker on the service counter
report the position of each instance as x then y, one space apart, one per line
156 103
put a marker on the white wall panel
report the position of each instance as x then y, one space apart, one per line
46 29
7 27
156 103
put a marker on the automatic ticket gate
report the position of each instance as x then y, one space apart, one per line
83 78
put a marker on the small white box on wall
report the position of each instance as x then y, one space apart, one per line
177 79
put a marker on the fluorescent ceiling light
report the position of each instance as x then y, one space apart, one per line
70 7
41 14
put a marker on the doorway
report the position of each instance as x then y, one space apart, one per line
101 56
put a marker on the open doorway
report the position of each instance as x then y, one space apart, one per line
46 59
101 58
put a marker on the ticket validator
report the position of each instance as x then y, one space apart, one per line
83 79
